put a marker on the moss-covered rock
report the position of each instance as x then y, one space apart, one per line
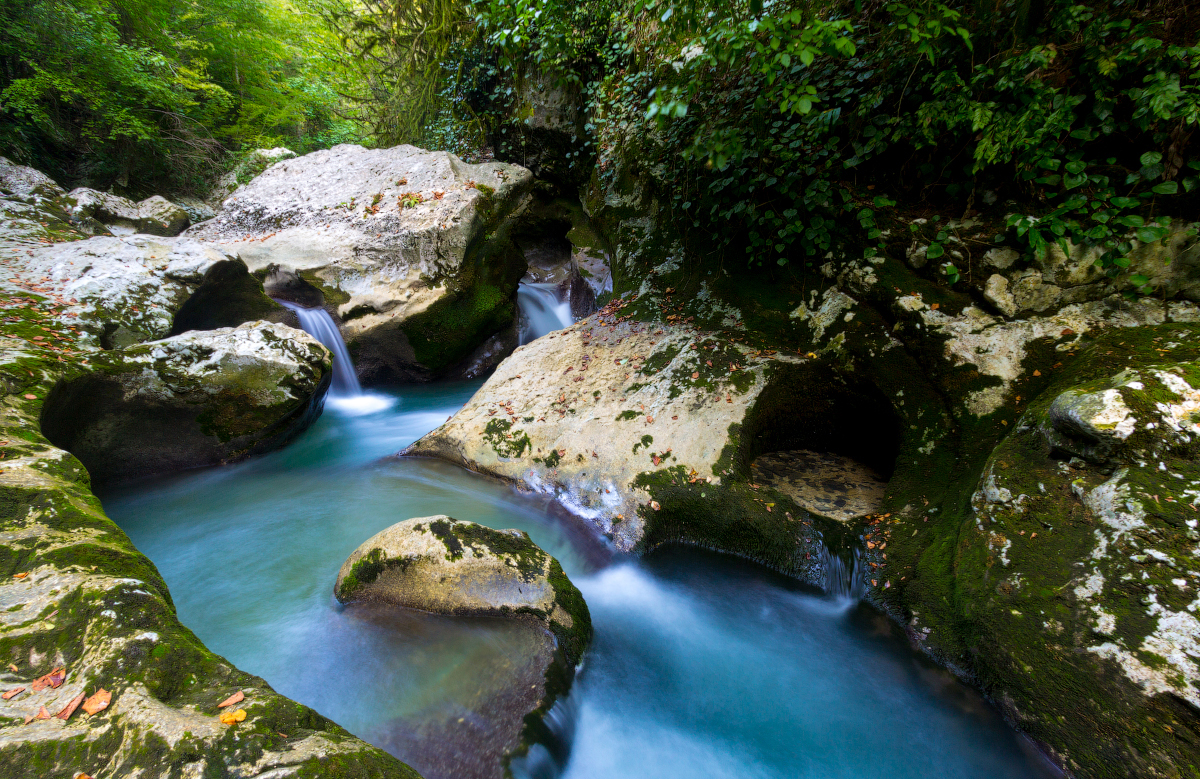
200 398
448 566
154 216
1077 567
75 594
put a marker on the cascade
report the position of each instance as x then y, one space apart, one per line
320 325
844 580
541 310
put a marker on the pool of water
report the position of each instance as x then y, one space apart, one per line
702 665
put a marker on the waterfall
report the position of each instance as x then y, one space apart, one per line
541 310
320 325
843 580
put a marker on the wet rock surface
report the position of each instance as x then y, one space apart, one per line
445 566
827 484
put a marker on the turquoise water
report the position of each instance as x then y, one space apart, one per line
702 666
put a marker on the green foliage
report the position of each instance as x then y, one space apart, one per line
790 130
153 93
405 52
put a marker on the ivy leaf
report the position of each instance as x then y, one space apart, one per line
934 251
1167 188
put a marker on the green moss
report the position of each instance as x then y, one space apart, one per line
504 443
627 415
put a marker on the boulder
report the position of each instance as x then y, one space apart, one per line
196 209
447 566
201 398
412 247
638 426
246 169
153 216
18 181
1076 567
118 290
160 216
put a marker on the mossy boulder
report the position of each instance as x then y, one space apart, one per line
412 247
1077 570
447 566
200 398
76 594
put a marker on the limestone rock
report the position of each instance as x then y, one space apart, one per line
200 398
447 566
1001 257
160 216
589 413
1074 568
153 216
89 602
119 290
18 181
412 247
250 166
196 209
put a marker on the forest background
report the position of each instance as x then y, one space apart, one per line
792 129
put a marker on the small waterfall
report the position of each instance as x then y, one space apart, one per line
541 310
844 580
320 325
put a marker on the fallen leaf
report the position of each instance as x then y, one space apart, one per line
70 708
230 717
98 702
31 397
1037 373
237 697
54 680
695 375
14 692
21 575
13 667
42 714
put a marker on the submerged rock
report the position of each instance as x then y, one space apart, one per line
412 247
446 566
200 398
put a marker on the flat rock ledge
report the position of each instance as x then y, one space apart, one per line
447 566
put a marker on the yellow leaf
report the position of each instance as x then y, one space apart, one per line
230 717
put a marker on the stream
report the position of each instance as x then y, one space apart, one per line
702 665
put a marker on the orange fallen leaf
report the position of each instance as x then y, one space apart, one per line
98 702
237 697
13 667
14 692
695 375
230 717
70 708
42 714
53 680
1037 373
21 575
31 397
